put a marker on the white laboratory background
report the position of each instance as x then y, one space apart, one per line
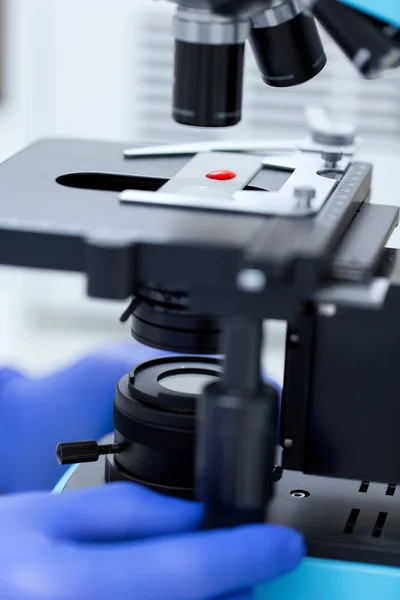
103 69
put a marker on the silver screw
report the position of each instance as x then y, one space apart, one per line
294 338
299 494
304 195
332 158
251 280
327 310
288 443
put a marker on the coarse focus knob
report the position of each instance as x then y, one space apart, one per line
71 453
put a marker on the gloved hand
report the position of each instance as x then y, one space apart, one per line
122 541
72 404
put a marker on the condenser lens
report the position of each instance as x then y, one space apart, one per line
187 383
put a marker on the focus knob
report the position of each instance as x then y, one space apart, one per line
71 453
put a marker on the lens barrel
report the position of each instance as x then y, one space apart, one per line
208 84
155 423
209 68
287 46
163 320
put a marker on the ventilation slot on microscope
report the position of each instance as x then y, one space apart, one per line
351 521
364 487
391 489
379 525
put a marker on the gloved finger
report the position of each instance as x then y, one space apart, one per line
101 367
244 595
71 404
7 374
194 566
8 379
116 512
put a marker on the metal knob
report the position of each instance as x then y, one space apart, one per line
304 196
332 158
71 453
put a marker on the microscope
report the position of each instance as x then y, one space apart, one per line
206 242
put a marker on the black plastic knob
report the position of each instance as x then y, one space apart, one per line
71 453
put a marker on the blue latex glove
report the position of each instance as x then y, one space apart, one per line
72 404
122 541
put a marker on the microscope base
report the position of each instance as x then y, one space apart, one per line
352 535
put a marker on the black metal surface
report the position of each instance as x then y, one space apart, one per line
208 84
297 387
239 7
341 416
325 516
114 473
242 345
360 253
122 248
290 53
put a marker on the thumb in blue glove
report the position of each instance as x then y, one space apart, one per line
122 541
72 404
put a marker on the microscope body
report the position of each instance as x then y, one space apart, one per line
325 280
207 244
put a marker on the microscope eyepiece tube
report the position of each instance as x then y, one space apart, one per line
209 68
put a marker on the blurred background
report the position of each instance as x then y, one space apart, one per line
103 69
